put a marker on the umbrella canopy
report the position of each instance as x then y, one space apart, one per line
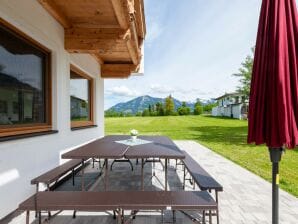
273 110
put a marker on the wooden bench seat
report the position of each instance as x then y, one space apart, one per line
55 174
201 177
118 201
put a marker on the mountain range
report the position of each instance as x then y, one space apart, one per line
142 102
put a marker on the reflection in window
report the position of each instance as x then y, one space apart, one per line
79 97
22 80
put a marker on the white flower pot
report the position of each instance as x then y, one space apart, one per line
134 137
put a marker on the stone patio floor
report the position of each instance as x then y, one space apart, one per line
246 197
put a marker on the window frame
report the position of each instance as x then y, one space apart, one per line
90 122
22 129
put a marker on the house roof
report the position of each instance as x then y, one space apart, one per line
8 81
112 31
228 94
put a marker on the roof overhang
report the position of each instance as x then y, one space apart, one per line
112 31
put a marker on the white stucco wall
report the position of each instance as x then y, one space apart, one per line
21 160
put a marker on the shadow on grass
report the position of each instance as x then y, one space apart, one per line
221 118
219 134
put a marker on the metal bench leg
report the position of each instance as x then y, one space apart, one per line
162 214
114 214
39 217
27 216
210 216
122 214
119 217
137 161
217 211
74 214
204 217
184 176
37 189
49 213
174 216
194 184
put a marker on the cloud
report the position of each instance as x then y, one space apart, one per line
122 91
165 89
158 88
154 31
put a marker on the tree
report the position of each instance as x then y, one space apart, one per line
111 113
208 107
183 110
139 114
146 113
198 108
169 105
244 74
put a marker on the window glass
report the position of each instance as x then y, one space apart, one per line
79 97
22 81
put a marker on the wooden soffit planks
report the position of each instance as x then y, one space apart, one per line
111 30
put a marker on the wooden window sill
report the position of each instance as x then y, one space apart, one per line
27 135
83 127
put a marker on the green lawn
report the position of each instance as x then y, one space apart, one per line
224 136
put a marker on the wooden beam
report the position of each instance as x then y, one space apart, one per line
115 75
94 33
50 6
121 13
132 48
117 70
77 45
140 18
133 52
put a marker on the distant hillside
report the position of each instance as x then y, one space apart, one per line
141 103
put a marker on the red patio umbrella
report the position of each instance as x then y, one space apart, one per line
273 109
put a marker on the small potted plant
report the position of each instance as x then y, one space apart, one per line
134 134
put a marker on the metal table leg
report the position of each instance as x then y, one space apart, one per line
166 174
142 174
82 181
106 174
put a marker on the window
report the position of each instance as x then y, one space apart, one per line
81 98
25 100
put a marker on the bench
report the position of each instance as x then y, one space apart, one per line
201 177
55 174
119 201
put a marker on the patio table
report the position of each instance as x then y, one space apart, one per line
107 148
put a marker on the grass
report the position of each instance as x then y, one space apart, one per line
225 136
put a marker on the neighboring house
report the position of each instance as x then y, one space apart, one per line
44 45
232 105
79 107
14 93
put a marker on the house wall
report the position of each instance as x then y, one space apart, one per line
226 111
236 110
23 159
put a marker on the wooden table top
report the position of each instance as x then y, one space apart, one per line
106 147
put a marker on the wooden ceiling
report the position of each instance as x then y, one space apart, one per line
111 30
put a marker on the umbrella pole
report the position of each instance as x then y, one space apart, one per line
275 157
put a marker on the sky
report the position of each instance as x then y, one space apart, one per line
192 48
